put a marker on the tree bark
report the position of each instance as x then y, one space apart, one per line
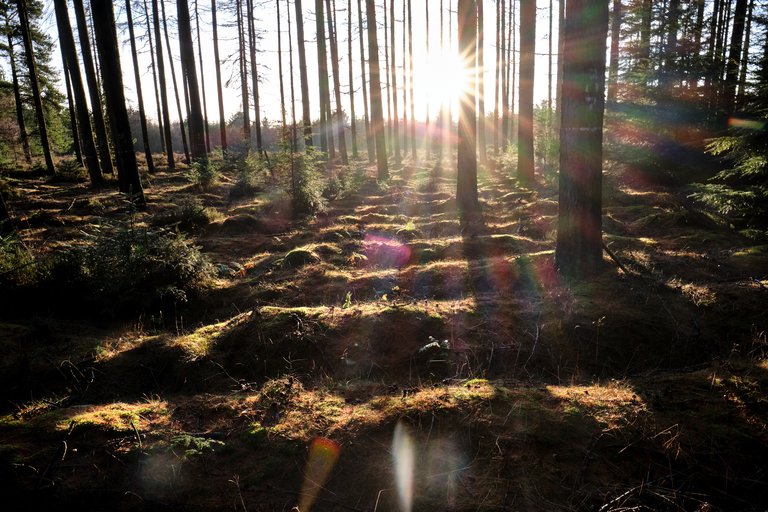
393 73
254 76
217 65
386 79
353 120
410 83
202 80
466 186
72 114
734 57
496 78
34 85
525 160
427 122
368 137
112 78
504 77
163 88
336 85
99 125
280 67
290 70
377 115
307 120
325 95
579 246
243 74
160 123
137 78
184 143
17 99
189 72
613 69
481 83
745 58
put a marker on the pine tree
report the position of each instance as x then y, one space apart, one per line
139 93
466 187
377 115
525 162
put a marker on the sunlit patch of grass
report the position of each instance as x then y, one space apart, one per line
609 404
199 342
116 417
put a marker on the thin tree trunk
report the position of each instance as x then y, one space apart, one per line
427 123
560 53
368 136
386 79
280 67
336 84
163 89
254 76
154 78
525 160
322 69
734 57
393 73
579 248
189 72
217 65
442 129
290 69
137 78
671 61
202 80
511 58
353 119
69 52
745 58
613 69
549 66
175 84
17 98
99 125
481 83
307 120
72 114
410 84
405 81
466 187
496 74
112 78
377 116
34 85
504 77
243 74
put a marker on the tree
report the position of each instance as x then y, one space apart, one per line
525 163
243 68
99 125
322 69
163 88
152 54
307 120
734 57
392 71
202 79
112 79
217 65
613 70
175 83
34 84
17 97
336 84
137 78
466 187
481 82
189 72
410 83
368 138
353 119
377 114
254 75
280 66
579 244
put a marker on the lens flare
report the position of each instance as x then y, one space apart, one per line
323 454
404 457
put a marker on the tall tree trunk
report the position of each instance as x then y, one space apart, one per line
410 83
405 80
72 113
112 78
336 84
734 57
243 74
189 71
368 135
579 247
99 125
393 73
525 163
560 53
693 79
154 77
217 65
163 88
504 77
466 186
613 69
745 58
671 61
290 69
386 79
175 84
202 79
427 123
307 120
353 119
75 81
511 66
377 115
34 85
496 75
550 37
322 69
481 82
17 99
280 67
441 127
137 78
254 76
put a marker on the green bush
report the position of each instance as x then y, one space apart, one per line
306 184
189 215
70 170
203 173
16 263
123 268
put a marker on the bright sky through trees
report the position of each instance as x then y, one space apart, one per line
439 75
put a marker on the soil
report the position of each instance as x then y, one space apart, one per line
390 332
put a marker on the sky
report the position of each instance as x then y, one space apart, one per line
437 74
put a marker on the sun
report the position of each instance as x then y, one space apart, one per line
445 79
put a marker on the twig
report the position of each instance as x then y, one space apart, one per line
615 259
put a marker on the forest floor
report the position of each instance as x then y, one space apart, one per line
645 388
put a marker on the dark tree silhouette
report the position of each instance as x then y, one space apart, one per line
336 84
306 119
217 65
377 113
525 170
466 187
184 143
392 72
189 72
369 144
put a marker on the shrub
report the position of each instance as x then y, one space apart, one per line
70 170
306 186
189 215
123 268
16 263
203 173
